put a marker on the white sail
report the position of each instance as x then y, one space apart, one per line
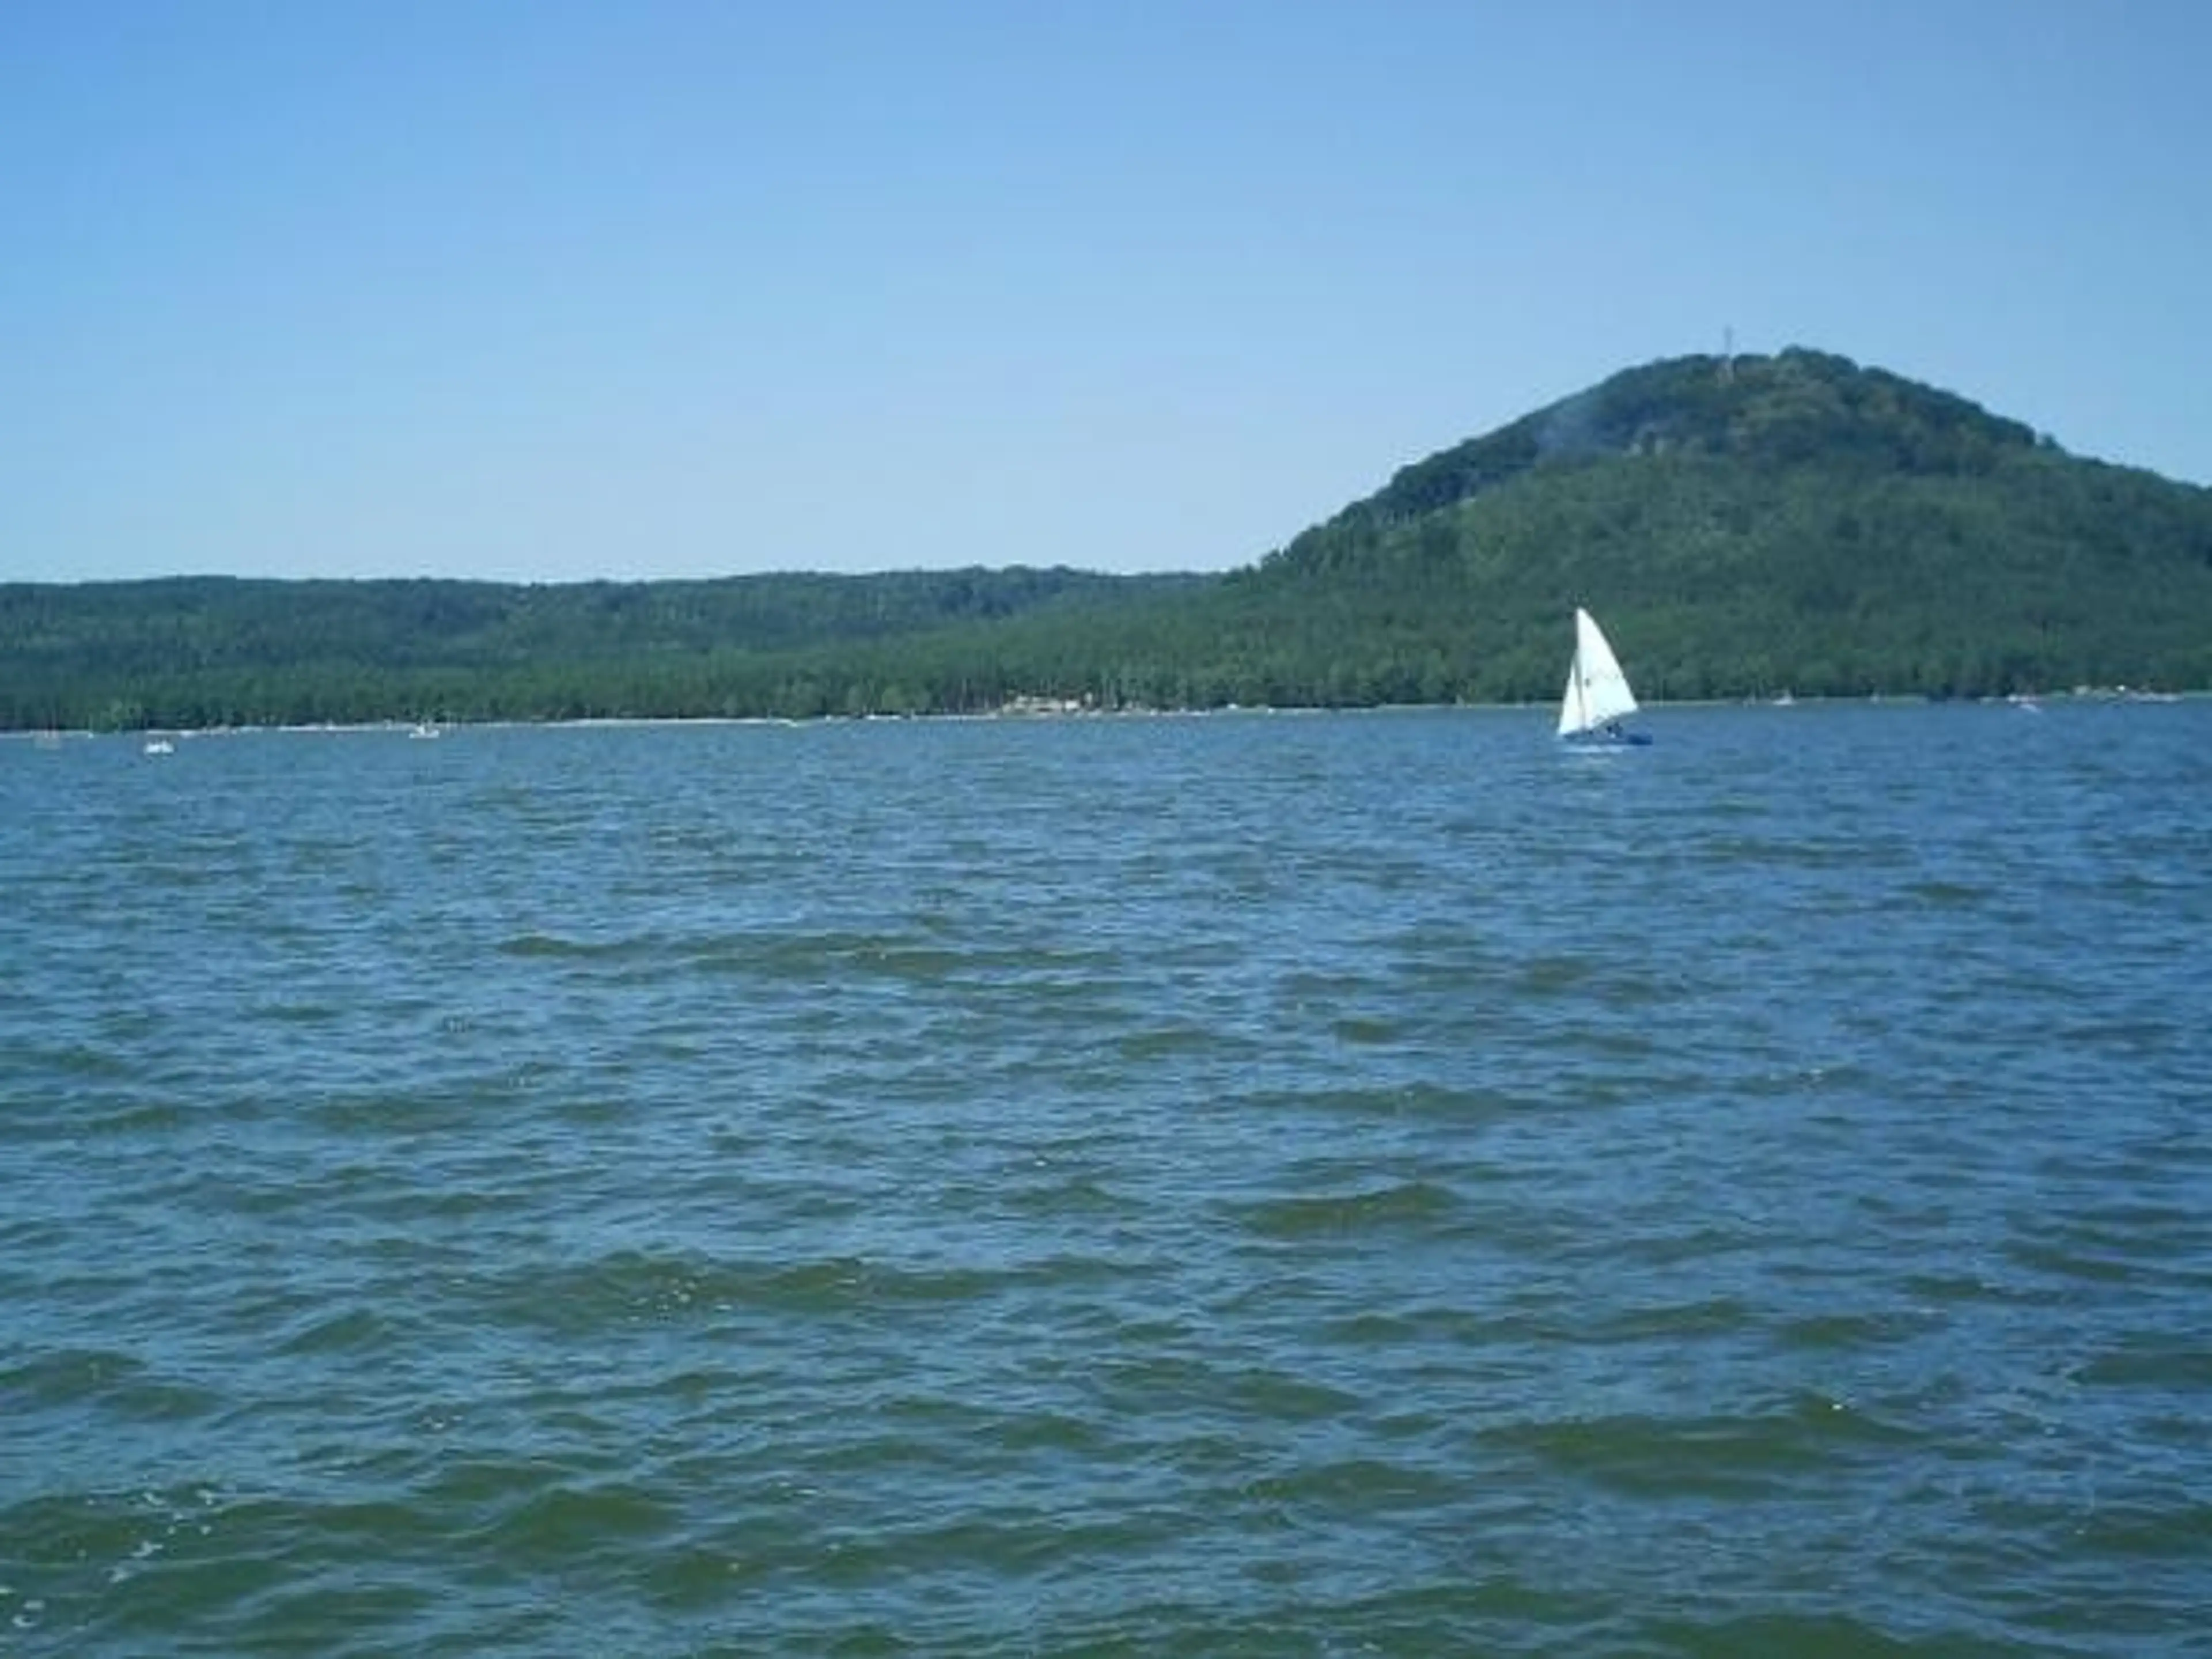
1597 691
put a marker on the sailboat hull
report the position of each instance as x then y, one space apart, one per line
1602 740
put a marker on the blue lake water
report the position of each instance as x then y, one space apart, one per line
1274 1185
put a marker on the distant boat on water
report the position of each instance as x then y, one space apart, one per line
1597 697
160 746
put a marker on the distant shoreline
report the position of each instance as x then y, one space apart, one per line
2101 696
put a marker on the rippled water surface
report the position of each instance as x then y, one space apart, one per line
1265 1185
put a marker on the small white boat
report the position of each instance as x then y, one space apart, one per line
160 746
1597 697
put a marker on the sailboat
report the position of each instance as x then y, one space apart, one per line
1597 696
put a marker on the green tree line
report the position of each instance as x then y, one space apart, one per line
1743 527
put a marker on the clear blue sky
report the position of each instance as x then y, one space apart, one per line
546 290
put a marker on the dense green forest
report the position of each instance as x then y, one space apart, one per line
1743 526
200 652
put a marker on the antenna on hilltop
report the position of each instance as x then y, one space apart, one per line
1728 356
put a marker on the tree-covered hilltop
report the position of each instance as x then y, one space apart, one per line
1757 525
1742 526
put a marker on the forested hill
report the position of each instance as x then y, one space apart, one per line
1756 525
1768 413
1743 527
